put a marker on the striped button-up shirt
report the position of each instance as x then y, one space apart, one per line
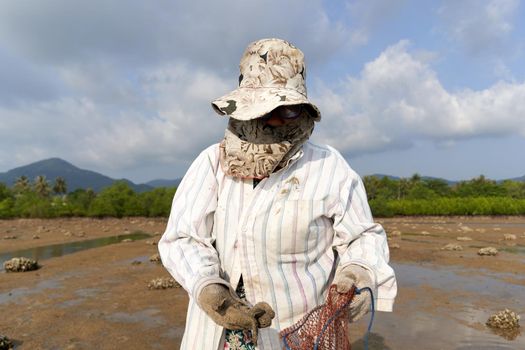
285 237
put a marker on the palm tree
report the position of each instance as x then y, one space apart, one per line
22 184
60 185
415 179
41 186
403 185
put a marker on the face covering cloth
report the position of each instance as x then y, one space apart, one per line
253 150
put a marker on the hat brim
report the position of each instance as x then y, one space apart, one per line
246 103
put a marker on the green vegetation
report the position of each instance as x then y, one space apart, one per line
418 196
387 197
40 199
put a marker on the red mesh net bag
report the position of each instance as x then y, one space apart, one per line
323 328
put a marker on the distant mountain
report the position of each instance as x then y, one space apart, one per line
391 177
522 179
380 176
80 178
75 177
164 183
449 182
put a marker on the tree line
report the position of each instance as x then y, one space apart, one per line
429 196
40 198
387 197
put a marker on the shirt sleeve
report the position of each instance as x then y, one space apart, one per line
358 240
187 246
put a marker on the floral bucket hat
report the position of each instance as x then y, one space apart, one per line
272 75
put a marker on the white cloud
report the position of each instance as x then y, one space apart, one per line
115 87
21 79
129 83
141 33
480 26
176 121
398 99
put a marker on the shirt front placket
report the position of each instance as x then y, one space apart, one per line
238 259
245 262
244 255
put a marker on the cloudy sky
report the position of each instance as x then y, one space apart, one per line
123 87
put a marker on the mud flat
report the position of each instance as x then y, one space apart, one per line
99 297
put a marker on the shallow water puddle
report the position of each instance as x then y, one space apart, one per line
14 295
149 318
517 249
443 309
431 332
142 259
17 293
413 240
57 250
81 296
450 279
403 233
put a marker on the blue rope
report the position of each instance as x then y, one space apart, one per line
369 329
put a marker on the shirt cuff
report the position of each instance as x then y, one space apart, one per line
206 281
381 304
368 269
385 305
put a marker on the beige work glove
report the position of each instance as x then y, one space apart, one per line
345 278
230 313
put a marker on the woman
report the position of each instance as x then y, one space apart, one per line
264 222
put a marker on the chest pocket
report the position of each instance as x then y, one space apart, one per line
296 226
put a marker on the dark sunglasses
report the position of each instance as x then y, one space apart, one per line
286 112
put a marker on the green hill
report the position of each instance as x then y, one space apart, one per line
75 177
